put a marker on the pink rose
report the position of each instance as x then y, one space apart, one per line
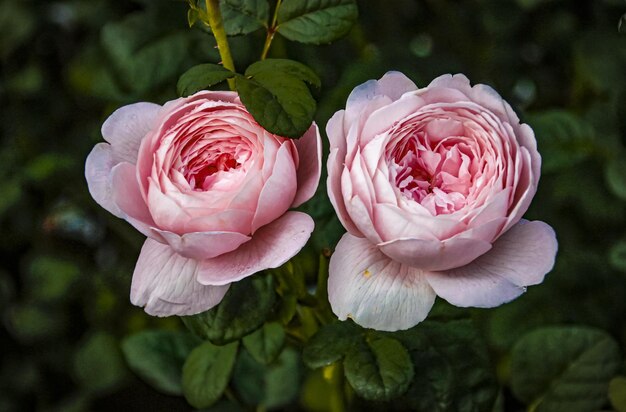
210 188
431 185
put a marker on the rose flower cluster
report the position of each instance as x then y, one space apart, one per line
431 185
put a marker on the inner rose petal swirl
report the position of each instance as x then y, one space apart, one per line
210 188
431 185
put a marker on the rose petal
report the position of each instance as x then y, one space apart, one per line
373 290
393 223
127 126
393 85
384 118
203 245
434 254
127 196
97 172
519 258
270 247
165 283
279 190
335 132
333 186
310 168
167 214
458 81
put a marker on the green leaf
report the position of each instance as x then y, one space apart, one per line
563 138
276 94
157 356
244 16
206 373
285 66
331 343
379 369
265 343
244 308
318 21
192 17
617 393
564 368
201 77
454 372
269 386
145 48
98 363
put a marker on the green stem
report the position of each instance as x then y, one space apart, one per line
271 31
334 376
217 27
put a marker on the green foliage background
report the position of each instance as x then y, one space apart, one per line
65 264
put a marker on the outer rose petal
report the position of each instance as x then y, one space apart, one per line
165 283
279 190
270 247
334 166
127 196
203 245
127 126
310 168
519 258
393 85
375 291
435 254
98 174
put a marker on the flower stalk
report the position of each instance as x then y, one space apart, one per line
217 27
271 31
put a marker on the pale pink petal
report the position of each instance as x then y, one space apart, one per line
127 126
525 192
335 132
310 168
229 220
434 254
519 258
333 186
496 207
165 284
203 245
375 291
393 85
127 195
279 190
487 97
366 98
487 231
362 218
167 214
386 117
270 247
458 81
393 223
526 137
98 174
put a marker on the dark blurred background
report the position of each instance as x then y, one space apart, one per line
66 264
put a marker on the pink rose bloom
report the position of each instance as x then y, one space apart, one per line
210 188
431 185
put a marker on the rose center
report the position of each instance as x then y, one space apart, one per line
433 173
200 171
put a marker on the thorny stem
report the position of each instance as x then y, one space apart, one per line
217 27
271 30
